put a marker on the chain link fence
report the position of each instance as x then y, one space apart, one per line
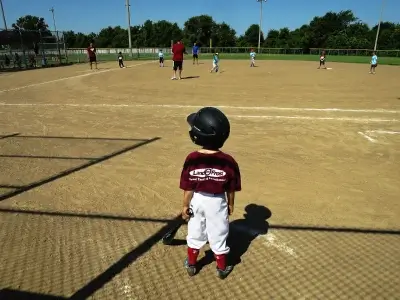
79 55
302 51
26 49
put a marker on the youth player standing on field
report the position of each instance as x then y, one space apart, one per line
209 180
215 63
322 58
195 52
91 52
178 50
121 60
252 58
374 63
161 58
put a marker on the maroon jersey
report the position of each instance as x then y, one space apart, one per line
91 51
178 50
215 173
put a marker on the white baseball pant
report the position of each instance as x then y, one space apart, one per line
210 222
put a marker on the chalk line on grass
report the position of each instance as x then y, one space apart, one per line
69 77
367 137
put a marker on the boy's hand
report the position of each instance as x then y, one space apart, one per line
185 214
230 209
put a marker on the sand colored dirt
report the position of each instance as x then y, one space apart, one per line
330 194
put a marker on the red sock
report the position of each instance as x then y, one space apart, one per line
221 261
192 255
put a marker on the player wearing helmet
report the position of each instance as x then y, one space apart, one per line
209 180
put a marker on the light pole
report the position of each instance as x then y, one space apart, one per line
128 11
259 29
55 29
379 26
4 16
4 21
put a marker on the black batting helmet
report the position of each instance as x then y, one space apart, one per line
210 128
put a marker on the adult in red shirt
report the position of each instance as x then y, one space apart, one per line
178 49
91 52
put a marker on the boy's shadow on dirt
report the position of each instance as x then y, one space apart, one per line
241 233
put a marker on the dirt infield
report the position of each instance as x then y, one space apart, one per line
90 163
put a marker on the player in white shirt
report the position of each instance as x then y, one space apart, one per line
161 58
252 58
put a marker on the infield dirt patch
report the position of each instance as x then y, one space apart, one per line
328 222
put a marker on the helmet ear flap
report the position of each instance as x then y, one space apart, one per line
196 139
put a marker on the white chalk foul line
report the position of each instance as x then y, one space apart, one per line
367 137
383 132
266 117
349 119
265 108
272 108
69 77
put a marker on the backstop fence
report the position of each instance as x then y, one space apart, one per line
20 49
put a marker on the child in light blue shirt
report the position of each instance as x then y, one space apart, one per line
252 58
215 63
374 63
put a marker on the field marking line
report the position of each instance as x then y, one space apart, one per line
271 240
316 118
265 108
367 137
78 105
69 77
383 132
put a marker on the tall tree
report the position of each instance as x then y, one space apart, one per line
251 35
224 35
30 30
112 37
321 28
272 40
30 22
199 29
164 32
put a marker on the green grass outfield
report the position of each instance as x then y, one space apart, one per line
76 58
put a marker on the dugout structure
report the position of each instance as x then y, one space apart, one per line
25 49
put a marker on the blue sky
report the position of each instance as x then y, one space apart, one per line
88 16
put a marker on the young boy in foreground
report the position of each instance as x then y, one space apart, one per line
209 180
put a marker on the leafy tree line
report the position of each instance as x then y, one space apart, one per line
342 30
26 31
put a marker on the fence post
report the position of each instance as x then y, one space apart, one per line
65 48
